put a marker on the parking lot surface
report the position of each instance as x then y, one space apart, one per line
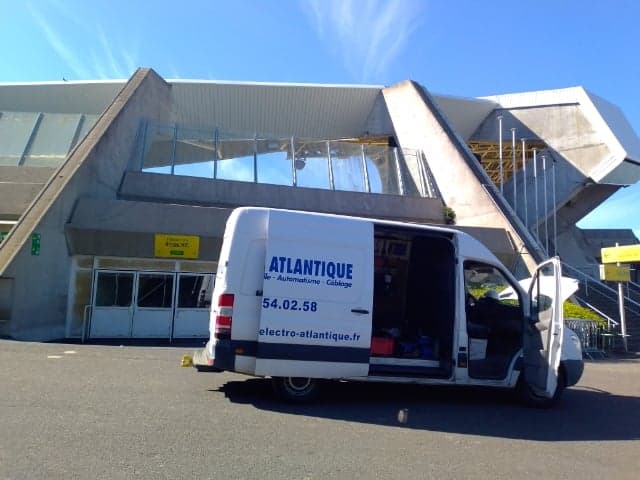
96 411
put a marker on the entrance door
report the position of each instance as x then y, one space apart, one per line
132 304
543 331
153 311
193 302
112 304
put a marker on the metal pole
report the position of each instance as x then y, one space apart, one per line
365 170
500 153
623 323
293 164
513 174
255 158
398 171
330 166
535 184
555 208
173 148
216 139
524 183
546 203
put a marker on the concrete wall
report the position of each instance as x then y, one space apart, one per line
121 228
226 193
463 183
94 168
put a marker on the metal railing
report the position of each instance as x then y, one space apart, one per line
345 164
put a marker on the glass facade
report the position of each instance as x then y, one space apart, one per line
347 165
40 139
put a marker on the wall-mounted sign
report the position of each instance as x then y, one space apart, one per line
624 254
35 244
3 235
176 246
615 273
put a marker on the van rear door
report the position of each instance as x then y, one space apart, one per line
543 329
317 297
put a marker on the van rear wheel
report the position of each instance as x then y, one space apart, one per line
296 389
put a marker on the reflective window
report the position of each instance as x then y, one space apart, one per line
194 153
346 162
274 162
52 140
194 291
312 165
158 149
114 289
236 159
382 171
155 290
15 131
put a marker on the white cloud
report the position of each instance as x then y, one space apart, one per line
59 45
367 34
96 57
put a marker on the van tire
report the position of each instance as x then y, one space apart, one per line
528 397
296 389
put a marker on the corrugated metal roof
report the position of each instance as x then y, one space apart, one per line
318 111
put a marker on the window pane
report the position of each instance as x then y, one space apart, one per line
381 167
195 291
155 290
52 140
274 162
15 130
194 153
235 160
114 289
346 160
312 168
158 149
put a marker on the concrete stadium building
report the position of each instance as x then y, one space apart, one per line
114 195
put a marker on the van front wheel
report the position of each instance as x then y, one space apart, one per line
528 397
296 389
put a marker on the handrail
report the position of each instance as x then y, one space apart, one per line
599 284
599 312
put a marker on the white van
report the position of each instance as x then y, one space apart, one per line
304 297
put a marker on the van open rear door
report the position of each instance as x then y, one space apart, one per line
317 297
543 329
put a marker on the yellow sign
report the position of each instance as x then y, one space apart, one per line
614 273
176 246
626 253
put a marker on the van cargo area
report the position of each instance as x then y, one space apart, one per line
413 303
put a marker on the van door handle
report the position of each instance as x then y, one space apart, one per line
360 310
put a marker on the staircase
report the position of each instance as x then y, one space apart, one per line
603 298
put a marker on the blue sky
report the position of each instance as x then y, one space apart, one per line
463 47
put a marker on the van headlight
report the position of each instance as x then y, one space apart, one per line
576 341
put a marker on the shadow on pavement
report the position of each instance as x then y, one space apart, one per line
581 414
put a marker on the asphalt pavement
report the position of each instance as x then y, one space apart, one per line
96 411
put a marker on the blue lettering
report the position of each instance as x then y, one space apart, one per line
273 267
331 270
297 268
308 267
282 261
289 265
349 271
340 270
317 263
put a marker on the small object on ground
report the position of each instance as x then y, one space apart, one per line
403 415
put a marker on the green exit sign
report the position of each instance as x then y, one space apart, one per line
35 244
2 235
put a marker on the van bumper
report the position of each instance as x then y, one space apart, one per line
202 362
573 370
